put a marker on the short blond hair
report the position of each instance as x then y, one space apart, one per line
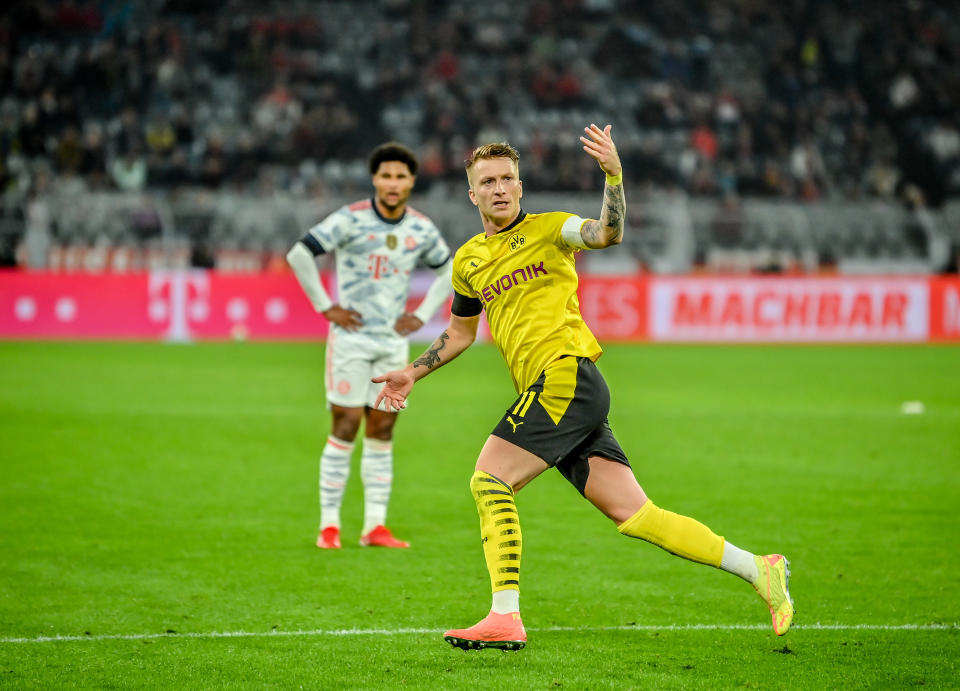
493 150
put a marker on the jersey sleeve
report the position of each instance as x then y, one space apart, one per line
329 233
466 301
460 284
435 252
568 236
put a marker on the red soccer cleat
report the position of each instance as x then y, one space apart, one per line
381 537
503 631
329 538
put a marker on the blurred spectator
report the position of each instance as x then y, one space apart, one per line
802 100
37 239
129 171
213 162
69 153
93 165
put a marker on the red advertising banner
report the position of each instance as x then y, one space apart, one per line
851 309
183 305
945 309
615 308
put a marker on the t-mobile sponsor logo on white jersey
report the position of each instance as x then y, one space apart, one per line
375 260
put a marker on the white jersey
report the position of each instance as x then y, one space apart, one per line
375 258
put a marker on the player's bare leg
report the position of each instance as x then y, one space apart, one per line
502 543
509 462
376 469
613 489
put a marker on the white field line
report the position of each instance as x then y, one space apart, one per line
407 631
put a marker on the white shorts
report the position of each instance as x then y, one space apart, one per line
352 359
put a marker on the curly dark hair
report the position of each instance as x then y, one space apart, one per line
392 151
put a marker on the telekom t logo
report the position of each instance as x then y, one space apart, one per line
379 265
179 297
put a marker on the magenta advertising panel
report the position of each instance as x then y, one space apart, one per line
172 305
199 305
36 305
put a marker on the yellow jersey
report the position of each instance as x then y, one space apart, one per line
526 279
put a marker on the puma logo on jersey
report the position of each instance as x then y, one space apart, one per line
515 424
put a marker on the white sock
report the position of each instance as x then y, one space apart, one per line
376 468
334 471
506 601
739 562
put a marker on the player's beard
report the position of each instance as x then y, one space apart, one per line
399 204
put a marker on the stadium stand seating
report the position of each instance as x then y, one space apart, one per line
768 136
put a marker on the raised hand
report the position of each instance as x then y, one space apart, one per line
599 145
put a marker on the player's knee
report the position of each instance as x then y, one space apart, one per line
645 523
346 424
380 426
380 434
345 431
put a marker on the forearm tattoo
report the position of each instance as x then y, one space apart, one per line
609 229
431 358
614 206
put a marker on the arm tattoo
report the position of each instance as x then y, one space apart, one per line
614 206
431 358
609 229
590 232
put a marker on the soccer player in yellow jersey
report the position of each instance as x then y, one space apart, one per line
521 271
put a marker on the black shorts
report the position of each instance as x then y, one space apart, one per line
562 418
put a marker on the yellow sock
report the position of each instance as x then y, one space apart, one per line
499 530
677 534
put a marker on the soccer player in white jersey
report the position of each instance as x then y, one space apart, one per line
377 243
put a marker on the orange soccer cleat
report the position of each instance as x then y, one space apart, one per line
329 538
502 631
382 537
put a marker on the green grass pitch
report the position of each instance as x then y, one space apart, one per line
158 507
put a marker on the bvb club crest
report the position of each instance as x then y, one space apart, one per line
516 242
391 241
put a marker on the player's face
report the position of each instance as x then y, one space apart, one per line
495 189
393 184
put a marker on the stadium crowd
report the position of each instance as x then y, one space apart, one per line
803 99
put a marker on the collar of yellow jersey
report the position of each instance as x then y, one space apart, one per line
520 216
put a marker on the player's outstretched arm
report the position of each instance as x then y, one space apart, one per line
608 230
459 334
